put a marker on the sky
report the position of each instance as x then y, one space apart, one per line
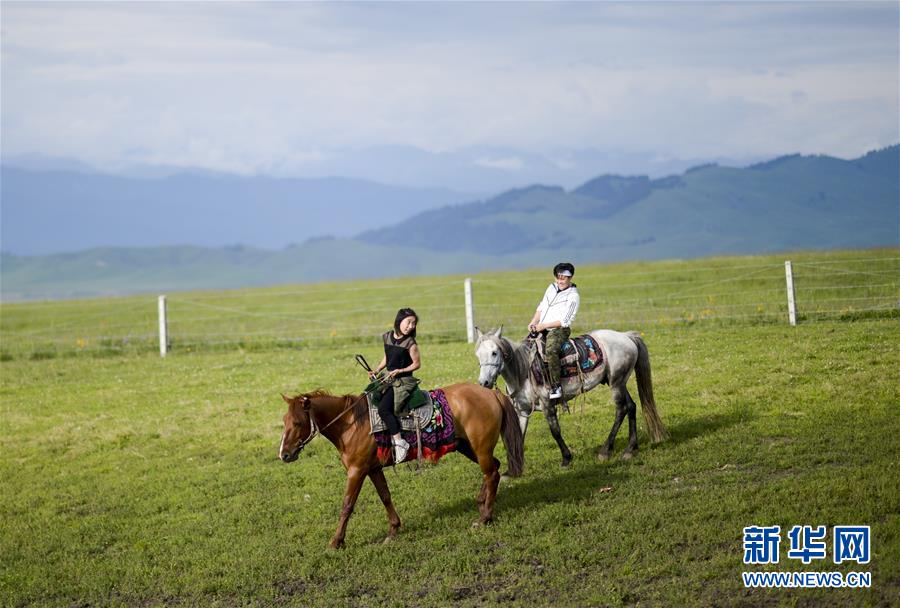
389 91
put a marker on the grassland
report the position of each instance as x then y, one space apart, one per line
132 480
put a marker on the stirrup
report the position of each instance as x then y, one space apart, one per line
556 392
401 449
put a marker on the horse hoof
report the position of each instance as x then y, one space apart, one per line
565 464
336 544
387 540
627 455
602 456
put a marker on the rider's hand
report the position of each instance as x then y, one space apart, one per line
372 375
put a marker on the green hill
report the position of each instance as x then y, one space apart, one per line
789 203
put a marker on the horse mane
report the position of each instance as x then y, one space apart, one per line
360 409
319 392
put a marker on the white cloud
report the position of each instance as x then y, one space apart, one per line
506 164
252 86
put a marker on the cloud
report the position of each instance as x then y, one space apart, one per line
251 86
506 164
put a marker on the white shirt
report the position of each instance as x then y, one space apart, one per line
559 305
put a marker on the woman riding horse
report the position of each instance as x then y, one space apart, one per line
481 416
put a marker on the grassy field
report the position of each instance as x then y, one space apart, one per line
831 285
132 480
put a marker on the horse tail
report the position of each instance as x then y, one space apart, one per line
644 379
512 435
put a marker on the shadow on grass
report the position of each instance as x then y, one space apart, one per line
533 490
541 486
702 426
681 432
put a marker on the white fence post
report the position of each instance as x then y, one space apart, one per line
792 307
470 313
163 331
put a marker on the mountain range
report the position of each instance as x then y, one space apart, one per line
789 203
53 211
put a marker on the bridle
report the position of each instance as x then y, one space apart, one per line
505 354
314 428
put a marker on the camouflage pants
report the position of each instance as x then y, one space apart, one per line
403 388
556 337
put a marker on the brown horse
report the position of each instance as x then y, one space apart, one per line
480 417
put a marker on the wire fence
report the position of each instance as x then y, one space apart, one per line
847 286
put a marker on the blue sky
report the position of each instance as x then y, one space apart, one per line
327 88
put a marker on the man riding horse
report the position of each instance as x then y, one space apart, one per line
554 315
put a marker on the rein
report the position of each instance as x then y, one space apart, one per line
314 428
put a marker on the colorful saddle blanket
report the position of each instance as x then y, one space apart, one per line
579 352
582 351
438 437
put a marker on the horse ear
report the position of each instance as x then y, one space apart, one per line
286 399
478 334
500 332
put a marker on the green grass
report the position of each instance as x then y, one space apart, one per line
844 285
132 480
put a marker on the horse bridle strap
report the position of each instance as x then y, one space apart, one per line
313 431
314 428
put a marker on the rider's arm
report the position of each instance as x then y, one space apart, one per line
381 365
541 309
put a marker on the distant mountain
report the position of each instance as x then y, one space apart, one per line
477 169
52 211
494 168
789 203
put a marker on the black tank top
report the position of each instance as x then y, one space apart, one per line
396 352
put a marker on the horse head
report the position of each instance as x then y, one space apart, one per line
299 427
490 352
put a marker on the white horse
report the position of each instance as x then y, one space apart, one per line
622 353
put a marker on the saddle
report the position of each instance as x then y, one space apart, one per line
577 356
420 409
428 429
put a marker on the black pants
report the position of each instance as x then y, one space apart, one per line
386 411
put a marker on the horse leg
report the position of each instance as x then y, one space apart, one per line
377 477
553 421
490 468
355 478
632 428
523 421
465 448
621 411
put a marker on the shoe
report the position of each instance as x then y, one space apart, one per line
556 392
401 448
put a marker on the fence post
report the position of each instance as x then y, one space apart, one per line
163 331
792 307
470 313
